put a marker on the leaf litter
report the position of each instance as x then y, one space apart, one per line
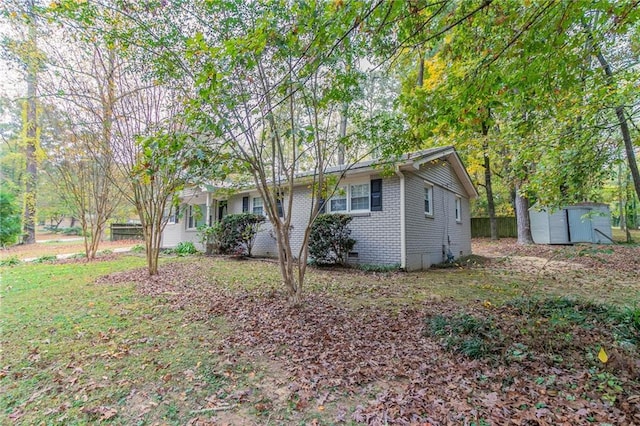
332 352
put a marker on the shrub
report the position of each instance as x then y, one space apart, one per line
10 261
367 267
10 221
330 241
76 230
209 236
138 248
185 248
46 259
238 232
51 228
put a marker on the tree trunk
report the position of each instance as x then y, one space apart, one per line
522 218
152 233
286 263
420 78
491 206
624 128
31 134
342 132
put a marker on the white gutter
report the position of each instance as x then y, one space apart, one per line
403 223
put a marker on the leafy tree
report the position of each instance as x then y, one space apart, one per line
81 159
24 51
124 135
10 222
521 78
12 158
270 80
154 164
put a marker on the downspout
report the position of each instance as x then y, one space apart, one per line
206 220
403 222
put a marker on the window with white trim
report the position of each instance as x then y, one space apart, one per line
258 206
458 209
428 200
195 215
359 197
173 216
354 198
338 203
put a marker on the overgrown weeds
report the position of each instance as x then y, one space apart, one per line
379 268
185 248
137 249
557 330
469 335
45 259
10 261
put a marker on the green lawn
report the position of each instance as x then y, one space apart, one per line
73 351
77 352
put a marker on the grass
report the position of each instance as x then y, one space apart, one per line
71 348
620 236
74 352
463 285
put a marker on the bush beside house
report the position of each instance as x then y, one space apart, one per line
235 234
330 241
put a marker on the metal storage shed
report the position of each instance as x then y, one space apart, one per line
578 223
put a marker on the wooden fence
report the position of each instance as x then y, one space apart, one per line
126 231
507 227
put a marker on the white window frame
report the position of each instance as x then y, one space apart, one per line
345 192
260 205
458 208
173 217
341 193
428 196
190 217
368 197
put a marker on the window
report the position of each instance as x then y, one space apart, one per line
458 209
173 217
428 200
258 206
352 198
338 202
359 197
195 215
279 206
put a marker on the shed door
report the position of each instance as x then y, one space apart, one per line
579 227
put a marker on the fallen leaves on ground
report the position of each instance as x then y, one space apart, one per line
384 358
613 257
